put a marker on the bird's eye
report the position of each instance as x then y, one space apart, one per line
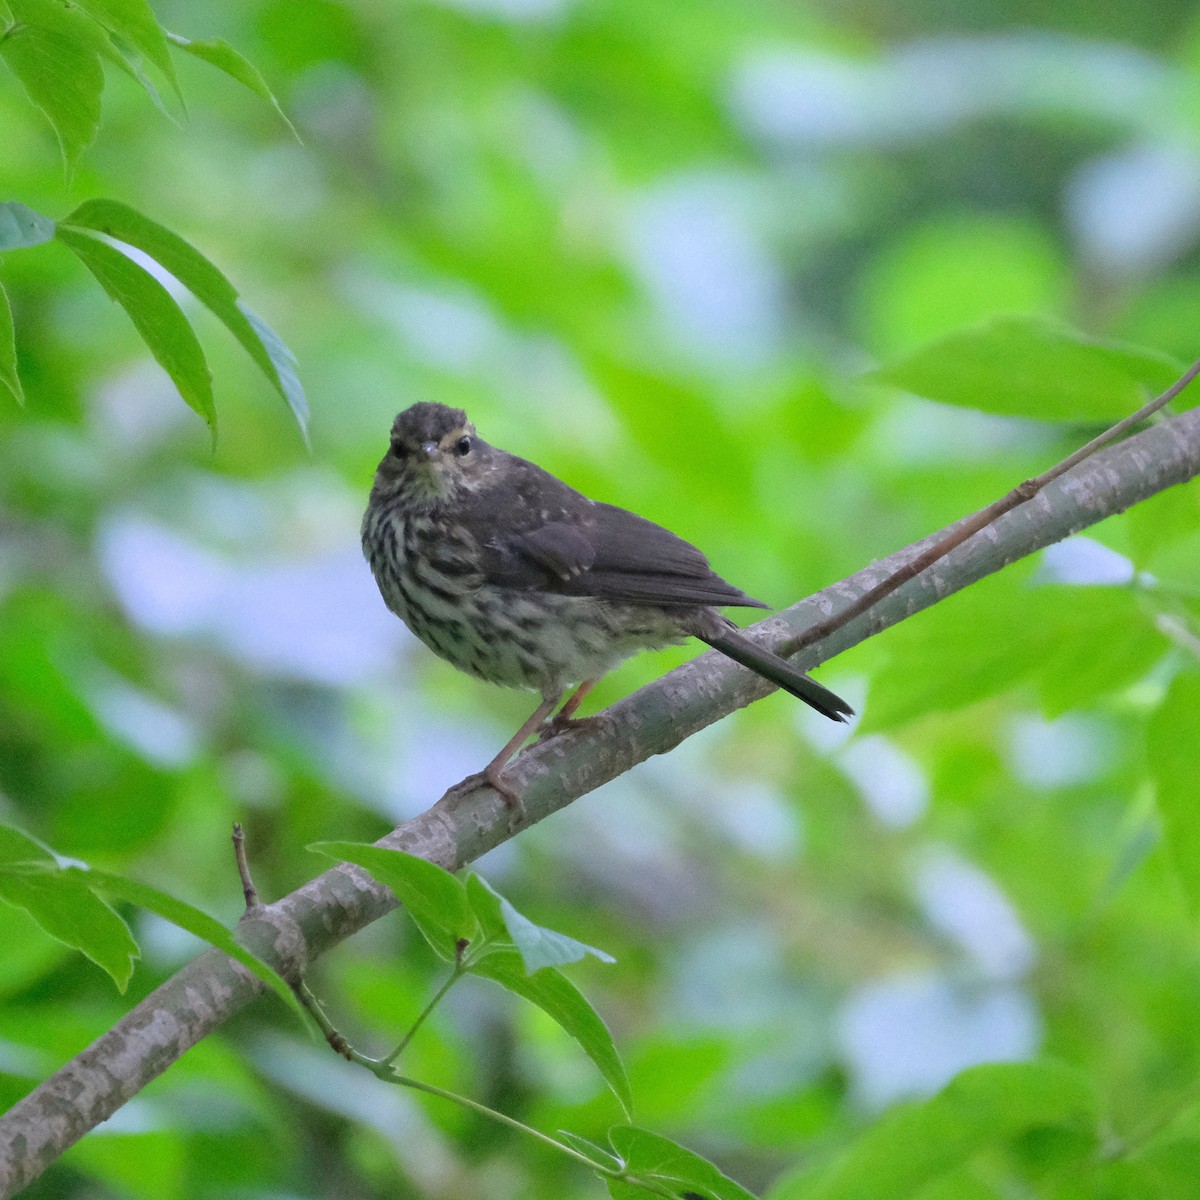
463 446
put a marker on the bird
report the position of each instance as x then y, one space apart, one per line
516 578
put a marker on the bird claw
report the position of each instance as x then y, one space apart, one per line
493 779
560 724
512 802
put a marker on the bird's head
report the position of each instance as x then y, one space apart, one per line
434 454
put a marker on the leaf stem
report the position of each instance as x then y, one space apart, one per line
460 969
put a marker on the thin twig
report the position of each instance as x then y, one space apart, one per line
243 866
970 526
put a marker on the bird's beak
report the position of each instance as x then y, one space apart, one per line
429 449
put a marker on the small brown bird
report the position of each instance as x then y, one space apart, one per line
516 578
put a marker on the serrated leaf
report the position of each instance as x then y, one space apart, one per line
538 946
652 1156
194 921
916 1144
71 913
10 381
135 23
561 1000
21 227
1032 367
160 321
435 900
52 50
237 66
1172 742
208 284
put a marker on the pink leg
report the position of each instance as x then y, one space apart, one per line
563 719
492 771
574 700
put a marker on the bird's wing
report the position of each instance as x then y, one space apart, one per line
600 550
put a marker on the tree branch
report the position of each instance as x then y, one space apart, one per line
459 828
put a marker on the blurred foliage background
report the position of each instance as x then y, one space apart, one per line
655 248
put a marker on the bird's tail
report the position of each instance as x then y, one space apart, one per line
779 671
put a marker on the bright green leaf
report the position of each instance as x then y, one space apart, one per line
540 947
19 848
435 900
152 1164
1030 367
21 227
485 904
652 1156
237 66
127 60
10 381
52 50
1003 632
67 910
1158 523
561 1000
1073 675
135 23
282 365
206 283
916 1144
159 320
1172 745
935 275
195 922
598 1154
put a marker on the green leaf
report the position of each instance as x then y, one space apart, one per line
282 370
916 1144
651 1156
237 66
52 49
207 284
435 900
1003 632
21 227
30 879
539 947
17 849
485 904
194 921
135 23
70 912
1159 522
1031 367
1073 675
598 1154
159 320
149 1164
1172 738
561 1000
10 381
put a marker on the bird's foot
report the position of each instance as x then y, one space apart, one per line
512 801
560 724
492 778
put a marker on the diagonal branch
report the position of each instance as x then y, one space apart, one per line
459 828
